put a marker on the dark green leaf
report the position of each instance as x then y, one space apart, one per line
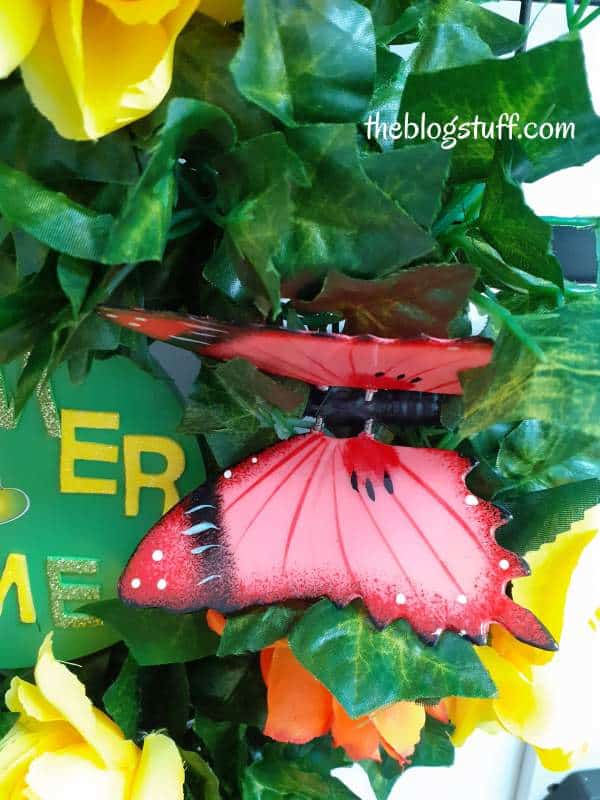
200 777
166 703
545 84
122 698
538 517
7 720
389 84
74 277
523 240
156 637
417 301
366 669
227 747
229 689
434 748
563 389
414 177
256 629
308 63
202 57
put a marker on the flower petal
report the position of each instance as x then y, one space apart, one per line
63 691
467 714
133 12
160 773
71 774
400 725
75 80
23 744
20 25
358 737
25 698
216 621
299 707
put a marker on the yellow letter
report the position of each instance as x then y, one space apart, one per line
56 567
72 450
16 574
136 478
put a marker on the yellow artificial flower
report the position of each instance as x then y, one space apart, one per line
62 748
92 66
548 699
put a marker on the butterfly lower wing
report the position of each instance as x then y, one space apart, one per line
367 362
342 518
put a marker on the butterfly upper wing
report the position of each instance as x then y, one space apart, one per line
369 362
343 518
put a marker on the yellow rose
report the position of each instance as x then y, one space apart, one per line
92 66
62 748
547 699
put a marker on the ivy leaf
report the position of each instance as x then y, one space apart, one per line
417 301
506 221
539 517
199 777
414 177
227 747
314 63
122 698
458 32
154 636
563 389
435 748
361 665
256 629
536 455
139 231
230 689
389 83
276 777
203 54
545 84
341 216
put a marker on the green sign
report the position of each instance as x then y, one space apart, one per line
85 471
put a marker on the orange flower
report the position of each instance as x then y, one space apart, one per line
299 709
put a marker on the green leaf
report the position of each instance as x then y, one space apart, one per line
275 777
139 231
366 669
389 85
537 456
417 301
256 629
457 32
308 63
166 699
562 389
545 84
382 776
203 54
227 747
156 637
75 277
230 689
341 216
7 720
122 698
200 777
434 748
414 177
506 221
538 517
235 396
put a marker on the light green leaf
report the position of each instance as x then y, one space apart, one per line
366 668
313 62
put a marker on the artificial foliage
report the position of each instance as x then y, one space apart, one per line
234 176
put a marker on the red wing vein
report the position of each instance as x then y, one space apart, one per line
294 366
293 468
266 474
340 535
296 517
444 504
383 538
425 539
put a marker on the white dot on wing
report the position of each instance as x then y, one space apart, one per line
136 583
157 555
161 584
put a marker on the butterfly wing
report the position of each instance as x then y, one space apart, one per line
343 518
369 362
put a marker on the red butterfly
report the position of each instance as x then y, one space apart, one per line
343 518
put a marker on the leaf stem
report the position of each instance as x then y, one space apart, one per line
504 318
